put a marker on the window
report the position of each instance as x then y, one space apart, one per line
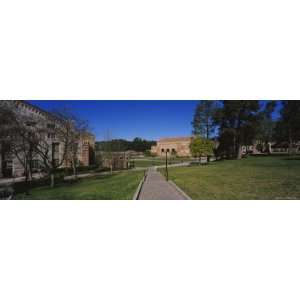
55 162
50 126
35 164
51 136
163 150
30 124
74 148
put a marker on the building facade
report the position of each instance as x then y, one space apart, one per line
116 160
35 119
179 146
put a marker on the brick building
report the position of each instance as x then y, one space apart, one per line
116 160
36 118
179 146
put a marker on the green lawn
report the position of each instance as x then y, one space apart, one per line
274 177
157 161
109 187
145 163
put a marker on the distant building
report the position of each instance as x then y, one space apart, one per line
135 154
179 146
115 160
286 147
35 117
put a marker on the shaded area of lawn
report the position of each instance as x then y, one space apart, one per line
109 187
274 177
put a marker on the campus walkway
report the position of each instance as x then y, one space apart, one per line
156 187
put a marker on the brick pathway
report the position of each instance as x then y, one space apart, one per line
156 187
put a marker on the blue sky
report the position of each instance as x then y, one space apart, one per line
129 119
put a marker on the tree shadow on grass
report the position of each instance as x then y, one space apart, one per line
292 158
106 176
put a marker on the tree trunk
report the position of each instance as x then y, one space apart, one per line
240 152
269 149
74 169
30 171
26 178
52 180
26 183
290 142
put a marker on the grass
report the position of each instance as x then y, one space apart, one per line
272 177
157 161
109 187
145 163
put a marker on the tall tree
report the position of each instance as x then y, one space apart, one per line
108 149
288 127
7 118
203 121
70 131
266 125
17 138
138 144
238 121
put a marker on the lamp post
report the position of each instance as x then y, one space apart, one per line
167 173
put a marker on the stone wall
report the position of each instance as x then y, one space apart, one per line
177 146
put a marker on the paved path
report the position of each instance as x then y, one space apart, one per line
156 187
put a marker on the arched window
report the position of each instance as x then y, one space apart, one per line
162 150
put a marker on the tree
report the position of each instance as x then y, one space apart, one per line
138 144
52 154
266 125
52 141
237 122
108 150
17 138
201 147
288 127
22 145
203 121
70 131
56 142
7 118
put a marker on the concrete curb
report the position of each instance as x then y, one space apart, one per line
179 190
139 188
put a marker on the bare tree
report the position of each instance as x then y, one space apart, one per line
49 145
70 132
107 151
17 138
52 140
6 121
